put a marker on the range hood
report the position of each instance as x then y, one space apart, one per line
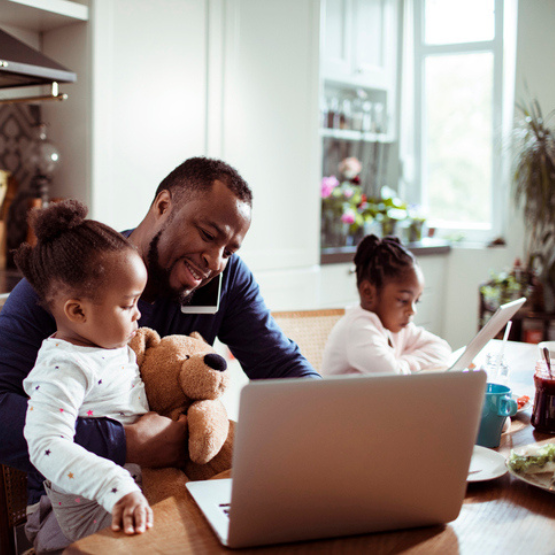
21 65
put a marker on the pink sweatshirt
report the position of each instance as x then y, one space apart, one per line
360 344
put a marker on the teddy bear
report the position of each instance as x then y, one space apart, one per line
184 375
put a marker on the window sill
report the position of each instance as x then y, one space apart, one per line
426 247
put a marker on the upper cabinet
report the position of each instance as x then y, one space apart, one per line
265 92
359 42
43 15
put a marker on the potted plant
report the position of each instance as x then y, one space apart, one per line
391 210
534 190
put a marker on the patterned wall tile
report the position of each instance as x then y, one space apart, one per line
16 135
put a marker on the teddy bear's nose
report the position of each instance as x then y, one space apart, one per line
216 362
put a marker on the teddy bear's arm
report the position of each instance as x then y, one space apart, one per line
208 428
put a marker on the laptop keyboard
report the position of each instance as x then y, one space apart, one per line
225 507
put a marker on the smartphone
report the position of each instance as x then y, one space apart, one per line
206 299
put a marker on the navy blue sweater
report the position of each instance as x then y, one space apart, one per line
243 323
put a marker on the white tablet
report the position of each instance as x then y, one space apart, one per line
493 326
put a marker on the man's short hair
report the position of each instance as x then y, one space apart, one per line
198 175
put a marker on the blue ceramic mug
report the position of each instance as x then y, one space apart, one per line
498 404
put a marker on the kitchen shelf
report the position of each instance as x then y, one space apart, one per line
42 15
350 135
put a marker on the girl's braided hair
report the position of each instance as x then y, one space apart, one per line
377 260
69 252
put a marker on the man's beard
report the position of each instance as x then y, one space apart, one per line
160 277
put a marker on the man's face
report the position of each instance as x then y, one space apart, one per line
195 241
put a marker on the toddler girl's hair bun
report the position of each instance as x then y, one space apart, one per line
60 217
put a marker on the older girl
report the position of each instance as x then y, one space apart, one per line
378 335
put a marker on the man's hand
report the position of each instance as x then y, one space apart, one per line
132 514
156 441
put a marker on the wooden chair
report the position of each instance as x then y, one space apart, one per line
13 505
310 330
13 498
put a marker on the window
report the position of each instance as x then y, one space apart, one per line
459 57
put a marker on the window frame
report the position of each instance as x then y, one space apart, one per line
502 48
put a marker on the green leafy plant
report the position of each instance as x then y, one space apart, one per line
501 288
534 184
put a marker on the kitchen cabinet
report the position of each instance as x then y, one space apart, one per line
138 108
432 301
161 82
148 100
268 128
45 26
337 286
359 42
42 16
358 98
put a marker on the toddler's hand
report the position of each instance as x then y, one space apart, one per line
132 513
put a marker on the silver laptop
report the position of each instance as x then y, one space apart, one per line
492 327
346 455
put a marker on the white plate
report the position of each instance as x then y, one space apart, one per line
541 481
486 464
515 396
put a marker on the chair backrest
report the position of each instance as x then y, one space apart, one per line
13 505
310 330
13 496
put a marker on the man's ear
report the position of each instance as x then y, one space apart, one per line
162 203
75 311
367 292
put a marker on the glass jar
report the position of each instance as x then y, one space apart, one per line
543 413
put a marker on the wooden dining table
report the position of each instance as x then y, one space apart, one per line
502 515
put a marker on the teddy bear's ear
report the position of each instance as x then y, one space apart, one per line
196 335
144 339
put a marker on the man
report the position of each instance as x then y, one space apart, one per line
198 219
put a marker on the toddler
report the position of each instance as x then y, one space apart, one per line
378 335
90 278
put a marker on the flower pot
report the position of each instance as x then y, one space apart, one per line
334 232
415 231
388 227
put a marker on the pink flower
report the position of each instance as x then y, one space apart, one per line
348 193
348 217
328 185
350 167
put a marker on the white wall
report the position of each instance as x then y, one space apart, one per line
535 52
467 267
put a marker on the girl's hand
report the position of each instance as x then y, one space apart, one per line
132 513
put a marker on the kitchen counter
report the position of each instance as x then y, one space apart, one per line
426 247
